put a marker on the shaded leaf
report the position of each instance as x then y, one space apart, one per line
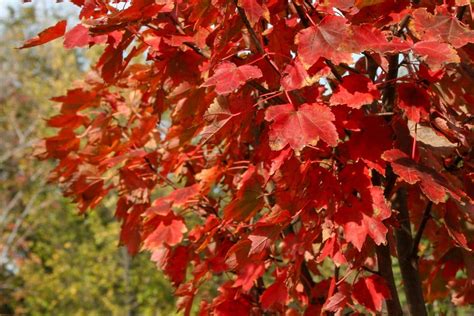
431 183
254 10
371 292
275 294
249 198
355 91
248 274
414 101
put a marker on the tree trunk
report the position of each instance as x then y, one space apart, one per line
130 297
408 264
384 260
385 268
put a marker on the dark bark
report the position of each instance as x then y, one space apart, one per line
385 269
388 98
384 259
408 264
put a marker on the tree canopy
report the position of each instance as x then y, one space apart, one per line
306 147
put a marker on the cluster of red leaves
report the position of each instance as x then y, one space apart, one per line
282 130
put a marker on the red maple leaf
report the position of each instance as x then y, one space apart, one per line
327 40
295 77
168 232
254 10
445 27
436 54
358 225
79 36
228 77
248 274
49 34
300 127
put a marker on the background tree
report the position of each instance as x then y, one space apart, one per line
75 268
51 260
294 136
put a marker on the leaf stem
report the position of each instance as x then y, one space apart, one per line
413 146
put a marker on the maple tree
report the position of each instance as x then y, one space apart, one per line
293 135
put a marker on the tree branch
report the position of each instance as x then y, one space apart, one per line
371 270
419 233
461 11
388 99
301 13
403 24
408 266
19 221
252 33
181 31
305 276
333 69
254 37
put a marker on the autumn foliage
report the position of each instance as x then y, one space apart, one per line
307 147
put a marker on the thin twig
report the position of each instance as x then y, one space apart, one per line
197 50
262 89
181 31
419 233
333 69
301 13
403 24
349 68
371 270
